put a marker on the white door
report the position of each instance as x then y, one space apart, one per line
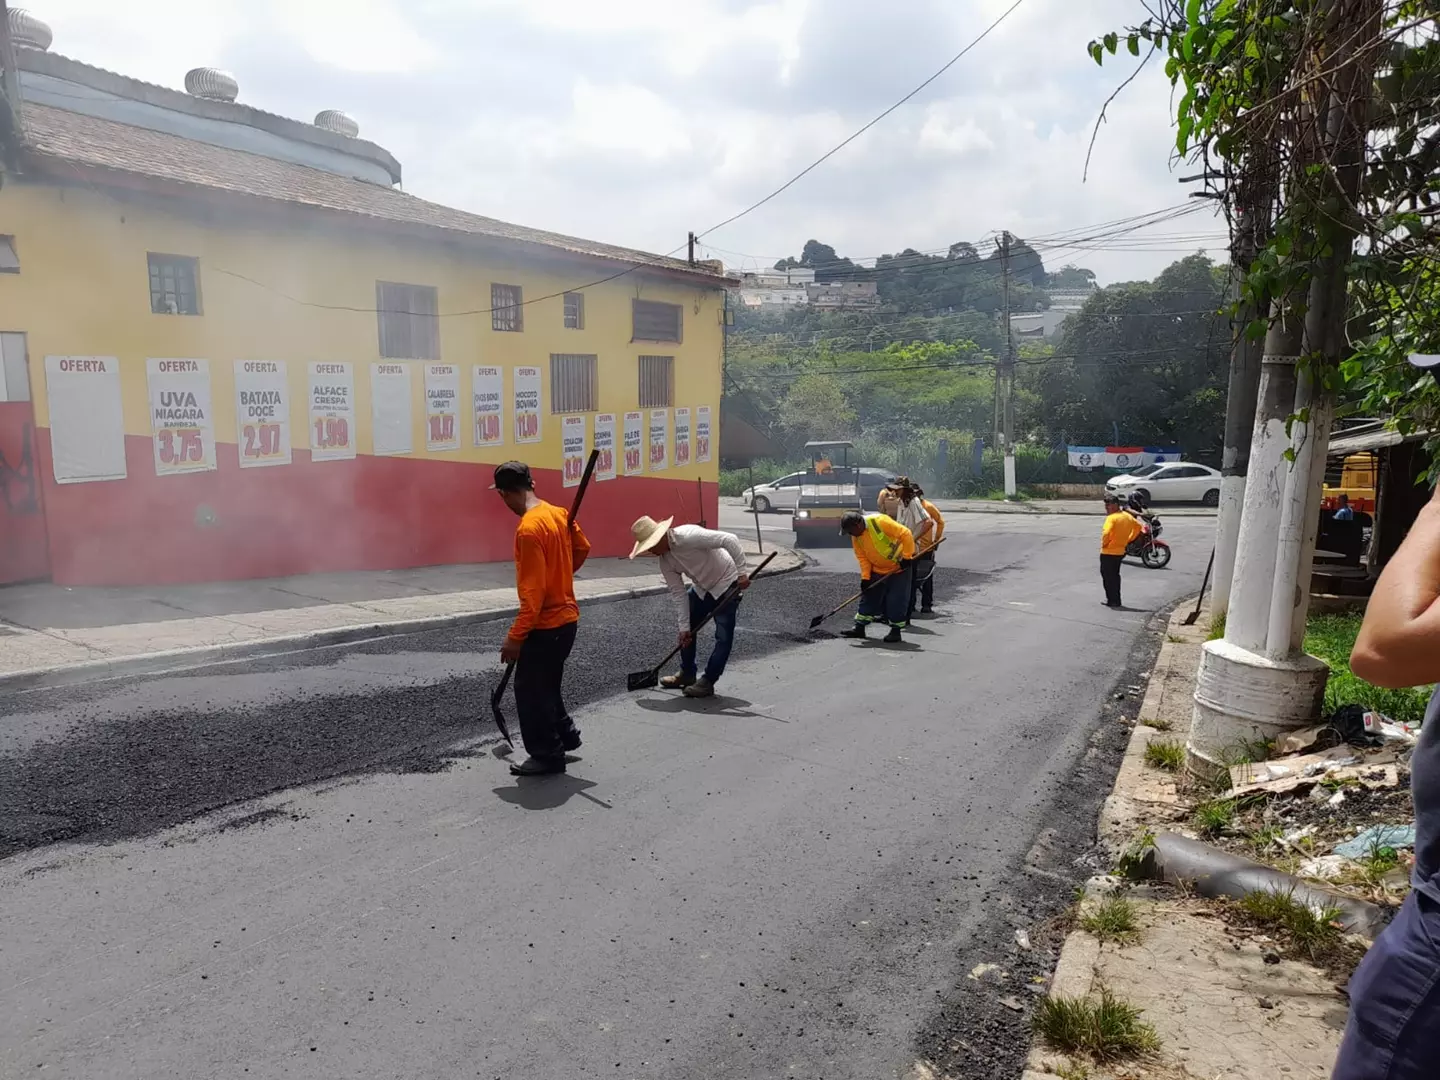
786 493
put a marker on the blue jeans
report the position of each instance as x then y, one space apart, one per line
1394 1028
888 600
724 623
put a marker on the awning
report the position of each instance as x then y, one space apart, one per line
1370 437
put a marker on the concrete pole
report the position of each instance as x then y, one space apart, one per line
1009 389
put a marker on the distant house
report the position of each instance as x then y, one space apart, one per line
840 295
1044 325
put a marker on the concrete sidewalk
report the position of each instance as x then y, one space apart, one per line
54 635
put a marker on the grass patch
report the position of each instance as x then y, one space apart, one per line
1132 860
1214 816
1217 627
1165 754
1306 932
1159 723
1073 1070
1113 919
1175 639
1264 837
1331 637
1104 1028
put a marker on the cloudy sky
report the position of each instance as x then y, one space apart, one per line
634 121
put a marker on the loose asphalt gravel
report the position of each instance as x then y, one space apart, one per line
798 878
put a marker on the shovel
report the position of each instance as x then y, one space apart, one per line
499 693
818 619
644 680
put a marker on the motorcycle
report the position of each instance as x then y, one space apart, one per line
1148 547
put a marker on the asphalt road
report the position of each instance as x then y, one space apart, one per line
311 866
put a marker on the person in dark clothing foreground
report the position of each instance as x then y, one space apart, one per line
1394 1027
549 548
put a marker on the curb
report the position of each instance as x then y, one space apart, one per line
170 660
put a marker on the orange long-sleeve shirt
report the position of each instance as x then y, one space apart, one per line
882 545
547 554
939 529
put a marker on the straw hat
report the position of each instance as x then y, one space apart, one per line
647 533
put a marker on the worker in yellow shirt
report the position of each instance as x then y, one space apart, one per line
1120 528
925 564
882 547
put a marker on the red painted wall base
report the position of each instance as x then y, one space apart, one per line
372 513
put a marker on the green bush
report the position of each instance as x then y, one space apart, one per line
1332 639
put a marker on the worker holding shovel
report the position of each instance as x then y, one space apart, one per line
549 548
884 549
713 561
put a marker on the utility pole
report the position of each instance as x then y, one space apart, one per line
1008 438
691 240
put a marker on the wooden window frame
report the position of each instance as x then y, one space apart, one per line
648 376
507 308
574 389
652 306
156 264
574 319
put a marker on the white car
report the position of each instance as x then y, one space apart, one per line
1175 481
781 494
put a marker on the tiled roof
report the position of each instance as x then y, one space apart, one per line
91 142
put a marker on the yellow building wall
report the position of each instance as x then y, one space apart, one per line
305 292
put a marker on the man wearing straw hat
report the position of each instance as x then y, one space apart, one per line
713 561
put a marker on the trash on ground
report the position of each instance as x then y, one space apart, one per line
1012 1003
1336 799
1376 837
1326 867
1279 775
1022 939
1389 731
979 971
1359 726
1294 837
1304 739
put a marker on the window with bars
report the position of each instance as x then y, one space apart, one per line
574 311
507 308
409 321
657 382
574 384
174 285
654 321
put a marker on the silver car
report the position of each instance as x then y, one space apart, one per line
1175 481
781 494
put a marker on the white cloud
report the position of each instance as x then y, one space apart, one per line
635 121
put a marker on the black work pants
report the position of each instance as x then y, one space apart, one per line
539 672
1110 575
924 573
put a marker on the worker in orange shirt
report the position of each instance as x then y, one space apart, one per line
882 547
548 551
925 564
1119 529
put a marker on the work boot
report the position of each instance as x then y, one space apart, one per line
538 766
570 741
856 631
893 636
678 681
701 687
927 611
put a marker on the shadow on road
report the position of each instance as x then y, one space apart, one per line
899 646
718 705
548 792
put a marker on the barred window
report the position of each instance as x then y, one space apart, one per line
574 385
657 382
409 321
507 310
574 311
654 321
174 284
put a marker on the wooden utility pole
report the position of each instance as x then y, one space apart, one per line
1008 391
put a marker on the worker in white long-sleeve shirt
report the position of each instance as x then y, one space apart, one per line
713 561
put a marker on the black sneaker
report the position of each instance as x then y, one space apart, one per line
856 631
570 741
927 611
533 766
893 636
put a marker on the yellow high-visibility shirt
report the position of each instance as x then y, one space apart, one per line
1120 529
882 545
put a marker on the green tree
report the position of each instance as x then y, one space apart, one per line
815 407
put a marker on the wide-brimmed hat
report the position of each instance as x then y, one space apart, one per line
647 532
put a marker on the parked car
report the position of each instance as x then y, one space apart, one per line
1174 481
782 494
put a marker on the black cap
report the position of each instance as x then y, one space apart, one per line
851 517
1110 497
512 476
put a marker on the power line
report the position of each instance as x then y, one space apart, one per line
836 149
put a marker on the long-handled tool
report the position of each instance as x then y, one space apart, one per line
499 693
644 680
818 619
1199 600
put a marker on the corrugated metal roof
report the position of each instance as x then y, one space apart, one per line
57 136
1370 437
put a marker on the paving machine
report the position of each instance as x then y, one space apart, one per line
830 487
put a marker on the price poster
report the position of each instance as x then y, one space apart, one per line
634 444
486 386
702 433
442 407
182 427
527 404
262 413
682 438
572 448
391 422
87 425
659 436
605 446
332 412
